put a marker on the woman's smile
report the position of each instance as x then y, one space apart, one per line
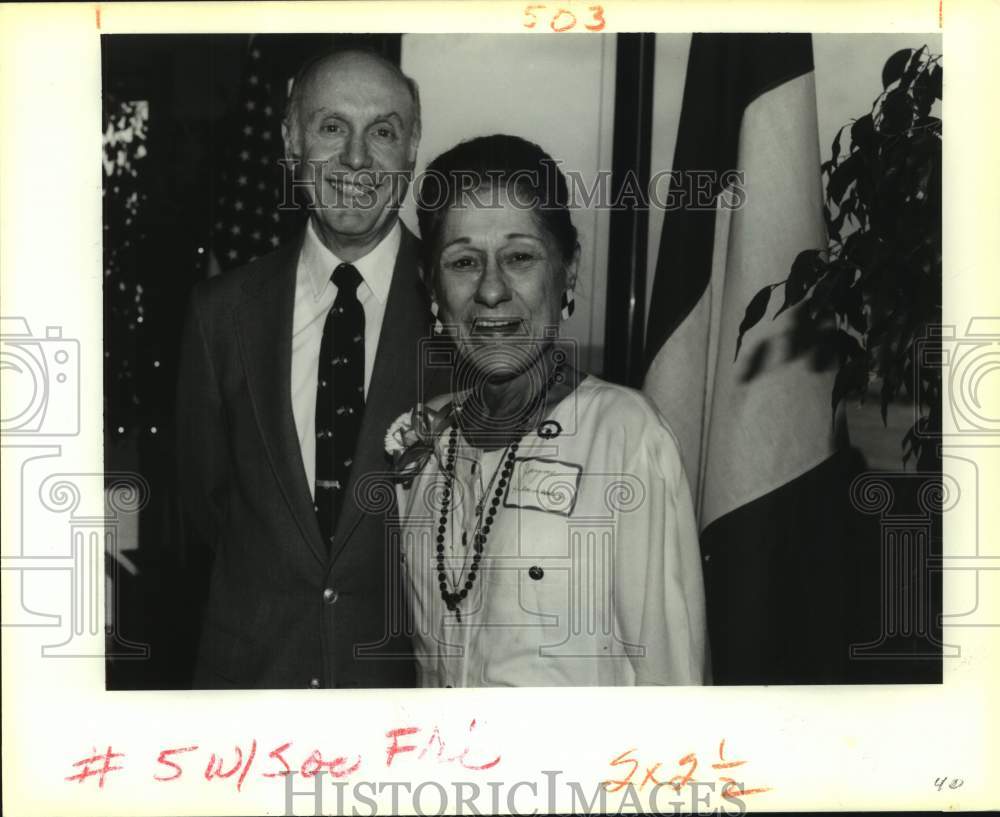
499 327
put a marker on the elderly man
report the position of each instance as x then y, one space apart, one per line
292 369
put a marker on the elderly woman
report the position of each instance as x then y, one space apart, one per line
547 530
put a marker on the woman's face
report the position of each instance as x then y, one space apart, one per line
498 282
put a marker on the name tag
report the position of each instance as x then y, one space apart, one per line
543 485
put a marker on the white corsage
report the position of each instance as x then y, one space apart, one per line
409 440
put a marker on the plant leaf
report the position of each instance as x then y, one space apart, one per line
853 305
835 147
848 348
897 112
894 66
754 312
863 131
842 177
805 270
936 84
852 379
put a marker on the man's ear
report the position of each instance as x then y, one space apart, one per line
288 139
414 142
573 267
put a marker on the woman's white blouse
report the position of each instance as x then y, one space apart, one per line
591 572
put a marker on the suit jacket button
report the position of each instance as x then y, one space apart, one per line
536 572
330 596
314 683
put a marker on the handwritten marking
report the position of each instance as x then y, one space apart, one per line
680 780
168 766
731 789
97 16
100 773
163 760
214 767
599 22
529 12
622 758
276 754
314 765
563 19
395 748
247 765
563 27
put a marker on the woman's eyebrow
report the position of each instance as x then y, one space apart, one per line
467 240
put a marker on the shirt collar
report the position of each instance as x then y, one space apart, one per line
317 262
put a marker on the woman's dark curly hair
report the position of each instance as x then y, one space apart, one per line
521 168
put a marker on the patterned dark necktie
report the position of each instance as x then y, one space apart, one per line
340 397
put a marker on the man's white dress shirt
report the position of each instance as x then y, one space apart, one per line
314 295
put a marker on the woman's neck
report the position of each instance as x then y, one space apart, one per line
501 411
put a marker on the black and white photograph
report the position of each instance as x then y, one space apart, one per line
483 360
498 408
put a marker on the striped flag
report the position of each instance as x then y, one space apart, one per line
248 219
755 430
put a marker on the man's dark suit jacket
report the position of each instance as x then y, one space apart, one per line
283 610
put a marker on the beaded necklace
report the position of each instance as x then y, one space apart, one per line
452 598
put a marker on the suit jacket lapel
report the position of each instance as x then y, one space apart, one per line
264 320
393 386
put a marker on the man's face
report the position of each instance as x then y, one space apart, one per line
355 137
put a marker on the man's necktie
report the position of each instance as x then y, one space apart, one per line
340 397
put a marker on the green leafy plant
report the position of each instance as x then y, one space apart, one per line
876 289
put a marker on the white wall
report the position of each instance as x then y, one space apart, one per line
556 91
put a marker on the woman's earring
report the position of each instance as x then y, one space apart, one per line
568 304
438 326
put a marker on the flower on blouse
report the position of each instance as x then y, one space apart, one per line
410 438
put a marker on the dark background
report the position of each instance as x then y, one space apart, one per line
196 89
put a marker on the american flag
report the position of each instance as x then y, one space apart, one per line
248 220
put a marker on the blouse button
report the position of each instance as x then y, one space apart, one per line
536 572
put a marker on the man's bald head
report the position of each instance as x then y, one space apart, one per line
328 66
